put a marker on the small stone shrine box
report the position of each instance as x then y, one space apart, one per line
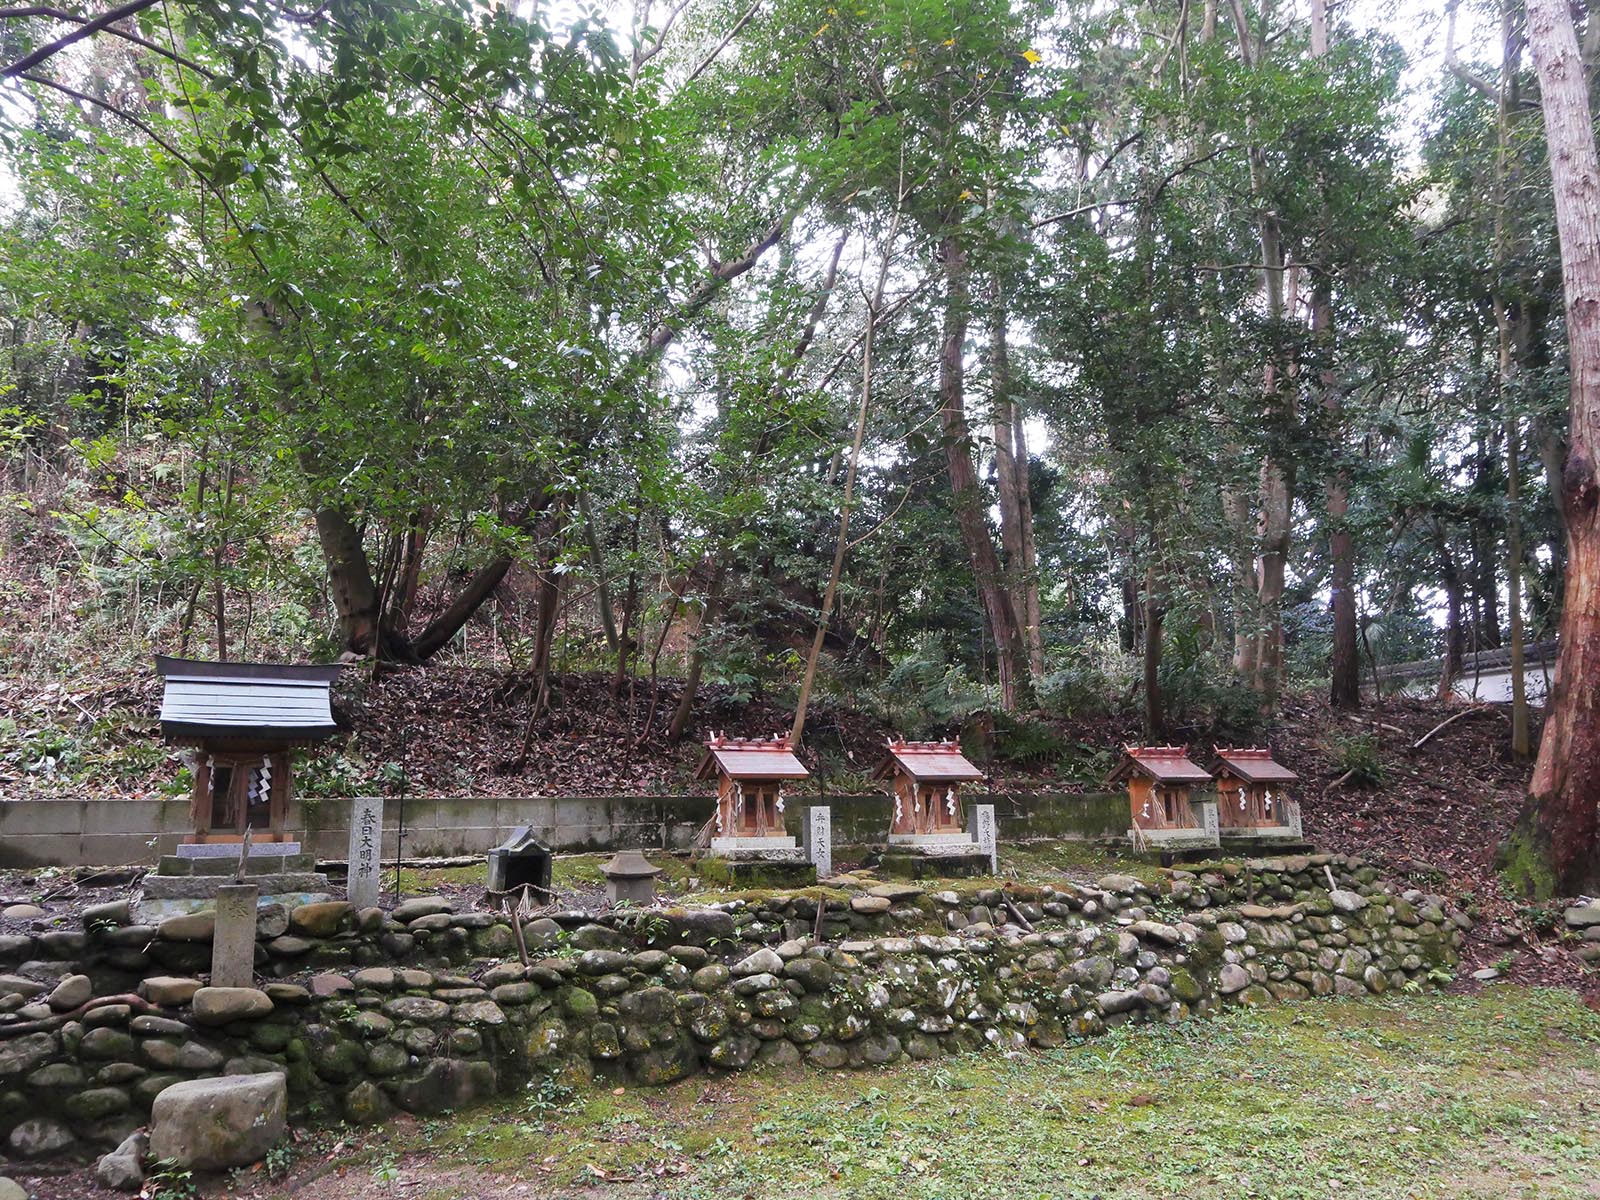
244 720
1166 809
1251 801
750 775
925 779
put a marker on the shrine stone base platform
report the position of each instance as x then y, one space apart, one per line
188 866
1265 842
189 882
907 862
757 870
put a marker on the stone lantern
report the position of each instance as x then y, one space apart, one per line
630 876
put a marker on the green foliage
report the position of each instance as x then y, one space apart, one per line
323 318
168 1181
1024 743
924 694
1358 758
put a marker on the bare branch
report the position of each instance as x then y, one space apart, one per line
88 29
57 14
1476 82
723 44
643 54
721 273
1081 209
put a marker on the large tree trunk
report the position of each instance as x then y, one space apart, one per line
1155 717
355 595
1262 662
1011 472
1555 848
364 627
1033 614
1012 655
679 725
1454 635
1344 661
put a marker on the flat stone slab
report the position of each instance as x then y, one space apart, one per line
231 850
175 866
956 843
1583 916
774 849
204 887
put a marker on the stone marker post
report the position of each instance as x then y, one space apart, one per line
987 835
816 832
233 943
366 851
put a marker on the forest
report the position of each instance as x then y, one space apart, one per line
930 356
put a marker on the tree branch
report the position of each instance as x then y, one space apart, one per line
721 273
1080 210
44 10
723 44
88 29
1476 82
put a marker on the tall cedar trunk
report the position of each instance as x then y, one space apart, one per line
697 658
1513 357
1344 662
1155 718
1237 512
1012 655
1011 473
1454 634
1555 848
1262 663
842 544
1032 616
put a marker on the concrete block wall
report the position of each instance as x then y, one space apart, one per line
124 832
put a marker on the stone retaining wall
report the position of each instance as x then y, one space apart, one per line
71 833
424 1009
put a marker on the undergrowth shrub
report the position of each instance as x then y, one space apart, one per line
1357 759
1022 742
925 695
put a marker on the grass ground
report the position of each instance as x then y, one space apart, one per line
1491 1095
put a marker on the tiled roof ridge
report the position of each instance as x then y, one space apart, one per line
943 746
721 741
